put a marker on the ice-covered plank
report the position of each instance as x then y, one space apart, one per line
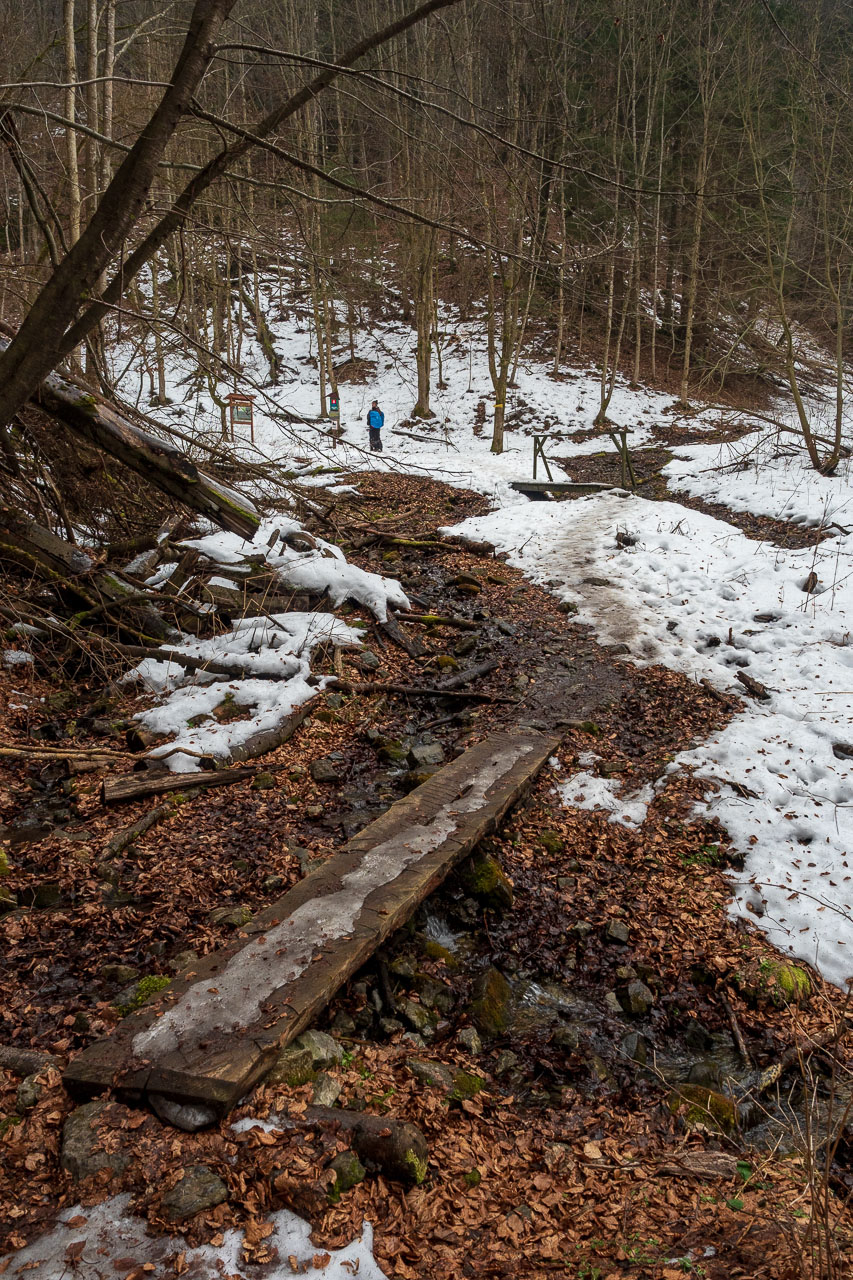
211 1035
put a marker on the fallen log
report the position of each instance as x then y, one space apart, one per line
136 787
157 460
123 838
268 739
413 691
71 570
471 673
25 1062
394 1147
439 620
753 686
477 548
414 647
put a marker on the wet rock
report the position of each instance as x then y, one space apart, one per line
325 770
634 1047
199 1189
706 1072
637 999
416 778
82 1151
391 750
435 951
391 1026
492 1003
484 878
234 917
612 1003
348 1171
293 1066
263 782
326 1090
618 931
469 1040
188 1116
325 1052
426 754
506 628
368 660
697 1037
402 967
28 1094
123 973
465 647
566 1037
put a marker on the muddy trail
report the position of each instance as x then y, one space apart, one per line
573 1020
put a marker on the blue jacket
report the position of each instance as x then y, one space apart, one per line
375 418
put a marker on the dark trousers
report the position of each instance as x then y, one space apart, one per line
375 439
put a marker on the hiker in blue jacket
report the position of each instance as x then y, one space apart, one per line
375 421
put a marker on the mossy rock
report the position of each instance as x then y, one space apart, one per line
485 879
140 993
348 1171
456 1085
792 985
435 951
445 662
263 782
552 841
294 1067
492 1003
701 1107
236 917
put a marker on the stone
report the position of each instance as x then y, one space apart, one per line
294 1066
552 841
700 1107
637 999
617 931
465 647
505 1062
348 1171
418 1018
425 754
469 1040
567 606
325 770
612 1003
123 973
792 985
199 1189
325 1052
456 1085
391 750
566 1037
263 782
28 1094
446 662
402 967
368 660
492 1003
707 1072
326 1090
391 1026
188 1116
82 1154
343 1024
416 778
314 811
505 628
234 917
296 771
273 884
634 1047
484 878
183 960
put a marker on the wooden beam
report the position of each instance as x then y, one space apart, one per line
216 1031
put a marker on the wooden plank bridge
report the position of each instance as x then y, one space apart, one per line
215 1032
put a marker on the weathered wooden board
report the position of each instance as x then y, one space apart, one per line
534 487
212 1035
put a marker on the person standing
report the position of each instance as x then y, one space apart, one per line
375 422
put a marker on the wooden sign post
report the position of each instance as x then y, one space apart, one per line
241 409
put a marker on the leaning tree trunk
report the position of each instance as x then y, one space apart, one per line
158 461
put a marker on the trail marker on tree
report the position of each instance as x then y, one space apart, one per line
242 411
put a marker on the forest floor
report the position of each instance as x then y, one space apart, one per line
609 1124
